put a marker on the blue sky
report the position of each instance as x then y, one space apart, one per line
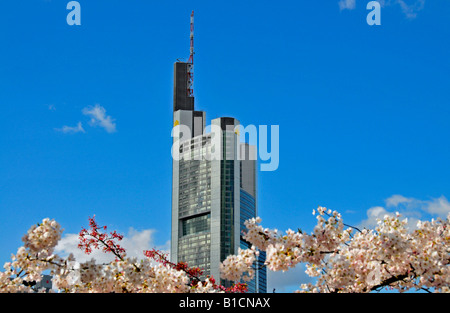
86 114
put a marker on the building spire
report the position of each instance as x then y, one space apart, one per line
190 72
191 54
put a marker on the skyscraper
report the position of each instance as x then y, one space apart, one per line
214 187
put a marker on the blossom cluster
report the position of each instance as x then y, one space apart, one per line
239 266
340 257
34 257
154 273
347 259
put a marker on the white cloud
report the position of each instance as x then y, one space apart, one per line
395 200
99 118
435 206
69 244
135 242
439 206
347 4
409 7
410 10
373 214
411 208
71 130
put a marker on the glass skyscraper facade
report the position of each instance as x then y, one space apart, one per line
211 196
248 210
194 204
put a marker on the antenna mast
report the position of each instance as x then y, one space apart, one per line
190 73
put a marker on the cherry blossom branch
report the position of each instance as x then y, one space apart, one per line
194 273
160 257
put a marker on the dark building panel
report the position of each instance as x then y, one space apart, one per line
227 123
199 114
199 123
181 99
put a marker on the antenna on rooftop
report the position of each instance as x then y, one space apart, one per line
190 62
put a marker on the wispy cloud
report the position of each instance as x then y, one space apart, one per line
71 129
411 10
396 200
409 7
412 208
99 118
435 206
347 4
439 206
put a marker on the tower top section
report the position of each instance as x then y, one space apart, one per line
191 36
184 78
